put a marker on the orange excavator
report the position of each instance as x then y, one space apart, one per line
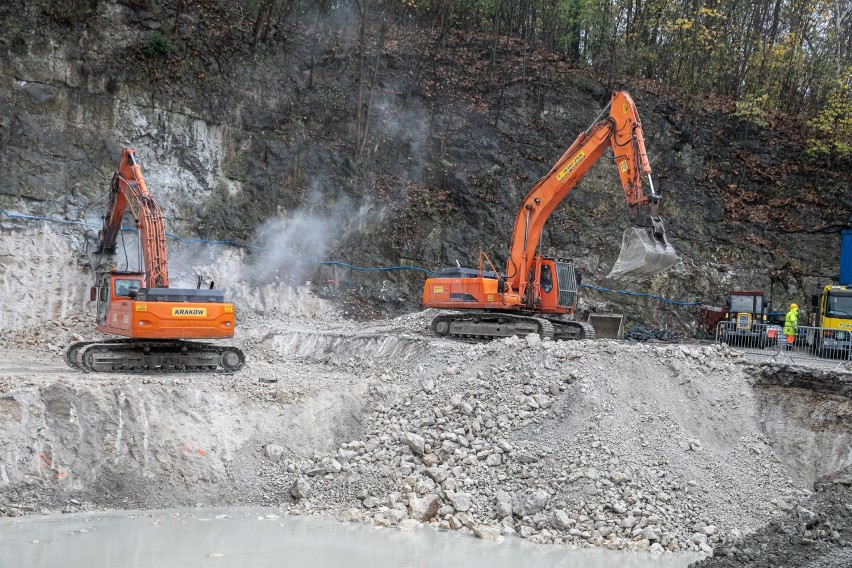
155 320
538 294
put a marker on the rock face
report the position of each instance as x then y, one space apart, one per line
225 151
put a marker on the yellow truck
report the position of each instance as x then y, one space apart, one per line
832 316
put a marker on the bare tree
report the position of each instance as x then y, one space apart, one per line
261 22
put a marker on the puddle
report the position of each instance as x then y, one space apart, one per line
237 538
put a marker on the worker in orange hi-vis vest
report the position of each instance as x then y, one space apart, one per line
790 324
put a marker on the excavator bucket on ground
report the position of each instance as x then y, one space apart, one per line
607 326
645 252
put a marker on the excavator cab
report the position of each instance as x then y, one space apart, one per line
557 285
112 287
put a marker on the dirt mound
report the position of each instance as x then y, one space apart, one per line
815 534
586 442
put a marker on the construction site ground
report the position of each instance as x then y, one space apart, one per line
667 448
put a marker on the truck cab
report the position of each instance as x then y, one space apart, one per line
832 314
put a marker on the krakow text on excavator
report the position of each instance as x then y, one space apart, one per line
155 320
537 294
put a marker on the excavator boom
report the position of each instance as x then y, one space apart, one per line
645 250
128 189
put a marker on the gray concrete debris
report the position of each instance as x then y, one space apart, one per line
531 503
274 452
460 501
300 489
423 508
415 442
489 532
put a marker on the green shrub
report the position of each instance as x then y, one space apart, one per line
158 46
831 128
750 109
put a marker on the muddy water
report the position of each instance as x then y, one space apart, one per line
257 538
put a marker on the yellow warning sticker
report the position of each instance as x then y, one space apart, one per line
438 290
141 307
189 312
490 297
623 166
571 166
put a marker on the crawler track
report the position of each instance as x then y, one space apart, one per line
135 356
486 326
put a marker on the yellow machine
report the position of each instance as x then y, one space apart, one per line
832 313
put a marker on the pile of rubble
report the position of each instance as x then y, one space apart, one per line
595 443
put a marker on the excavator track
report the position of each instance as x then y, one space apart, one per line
135 356
477 327
566 330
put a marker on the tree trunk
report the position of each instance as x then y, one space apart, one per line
261 23
380 44
178 10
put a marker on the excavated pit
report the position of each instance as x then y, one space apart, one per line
806 414
603 443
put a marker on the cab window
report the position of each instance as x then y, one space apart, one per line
124 286
839 306
546 278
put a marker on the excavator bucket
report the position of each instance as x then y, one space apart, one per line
645 252
607 326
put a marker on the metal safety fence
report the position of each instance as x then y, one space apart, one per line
829 346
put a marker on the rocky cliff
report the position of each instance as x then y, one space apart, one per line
381 142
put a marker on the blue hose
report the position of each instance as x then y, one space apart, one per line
643 295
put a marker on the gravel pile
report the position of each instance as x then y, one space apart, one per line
595 443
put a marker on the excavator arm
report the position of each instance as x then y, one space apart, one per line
644 252
128 190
